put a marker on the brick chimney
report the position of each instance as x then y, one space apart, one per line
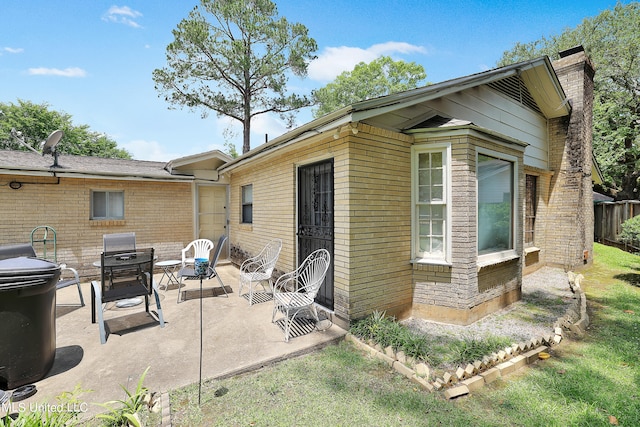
569 235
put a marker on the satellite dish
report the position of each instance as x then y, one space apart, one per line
49 146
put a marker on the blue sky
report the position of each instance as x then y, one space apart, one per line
93 59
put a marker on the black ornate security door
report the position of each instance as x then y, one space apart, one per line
315 219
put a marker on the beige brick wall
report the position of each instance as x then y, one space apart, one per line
371 208
160 213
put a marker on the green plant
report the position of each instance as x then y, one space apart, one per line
470 348
62 414
126 412
631 230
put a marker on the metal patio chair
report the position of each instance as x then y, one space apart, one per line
68 276
258 269
124 275
295 292
189 272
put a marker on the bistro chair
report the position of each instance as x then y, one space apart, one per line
258 269
189 272
124 277
296 291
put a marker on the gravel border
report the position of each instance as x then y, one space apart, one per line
546 296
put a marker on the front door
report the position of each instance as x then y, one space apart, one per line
315 219
212 212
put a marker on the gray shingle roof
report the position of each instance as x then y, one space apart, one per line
28 163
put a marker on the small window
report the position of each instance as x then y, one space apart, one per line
430 204
247 204
530 202
107 205
495 204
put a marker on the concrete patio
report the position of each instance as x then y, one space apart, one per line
236 338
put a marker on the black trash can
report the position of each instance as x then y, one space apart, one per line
27 320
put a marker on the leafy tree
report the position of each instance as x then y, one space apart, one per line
35 122
231 149
236 61
377 78
612 40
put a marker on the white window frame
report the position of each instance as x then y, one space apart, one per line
508 254
416 255
108 208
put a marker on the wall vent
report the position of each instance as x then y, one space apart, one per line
514 88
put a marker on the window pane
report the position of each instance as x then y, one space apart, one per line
247 214
425 244
436 160
495 204
116 205
437 194
99 204
437 245
247 194
423 160
437 228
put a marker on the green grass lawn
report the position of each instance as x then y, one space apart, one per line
588 382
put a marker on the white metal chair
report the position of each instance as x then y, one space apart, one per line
199 248
259 269
296 291
190 272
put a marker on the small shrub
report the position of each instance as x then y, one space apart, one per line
127 412
472 348
631 230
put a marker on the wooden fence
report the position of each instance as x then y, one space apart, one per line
609 217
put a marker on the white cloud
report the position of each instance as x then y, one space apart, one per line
122 15
335 60
13 50
67 72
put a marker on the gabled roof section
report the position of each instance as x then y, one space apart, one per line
31 164
211 160
404 110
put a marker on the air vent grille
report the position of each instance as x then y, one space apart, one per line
514 88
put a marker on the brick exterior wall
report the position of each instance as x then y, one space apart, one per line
568 224
160 213
372 172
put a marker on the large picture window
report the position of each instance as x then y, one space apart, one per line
107 205
430 205
247 204
495 204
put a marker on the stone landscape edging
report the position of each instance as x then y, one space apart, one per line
496 365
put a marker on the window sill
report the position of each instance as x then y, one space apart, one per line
107 222
531 250
426 261
496 258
